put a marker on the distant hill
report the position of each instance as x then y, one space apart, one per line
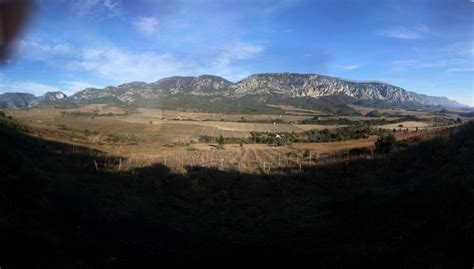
24 100
213 93
16 100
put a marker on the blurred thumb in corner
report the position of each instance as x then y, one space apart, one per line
13 15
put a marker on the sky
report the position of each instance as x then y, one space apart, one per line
426 46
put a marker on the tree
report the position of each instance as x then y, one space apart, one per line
221 142
385 144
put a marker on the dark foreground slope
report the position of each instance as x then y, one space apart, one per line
414 208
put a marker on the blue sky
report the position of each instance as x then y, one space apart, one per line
420 45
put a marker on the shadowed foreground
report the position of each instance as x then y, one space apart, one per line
412 208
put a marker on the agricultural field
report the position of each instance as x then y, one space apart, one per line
406 125
196 116
141 137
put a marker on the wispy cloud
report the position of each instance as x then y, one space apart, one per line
36 88
223 62
146 25
43 51
348 67
417 64
451 70
70 87
406 63
87 7
237 51
417 32
463 99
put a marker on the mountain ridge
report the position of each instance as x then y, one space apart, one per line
274 86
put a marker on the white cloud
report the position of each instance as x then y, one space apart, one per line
146 25
401 34
111 5
120 66
87 7
27 87
418 32
242 50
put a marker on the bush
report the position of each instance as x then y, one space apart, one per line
221 142
306 153
281 141
385 144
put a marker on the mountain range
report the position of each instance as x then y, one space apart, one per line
213 93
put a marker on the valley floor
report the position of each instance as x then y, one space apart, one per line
67 205
153 136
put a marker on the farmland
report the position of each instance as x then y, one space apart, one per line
142 137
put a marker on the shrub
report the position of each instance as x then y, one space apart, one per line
385 144
359 151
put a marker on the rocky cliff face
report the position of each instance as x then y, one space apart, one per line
48 98
316 86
